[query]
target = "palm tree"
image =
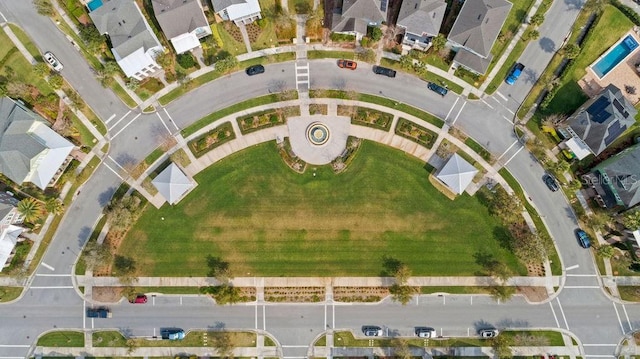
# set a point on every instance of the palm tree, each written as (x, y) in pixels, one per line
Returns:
(54, 206)
(30, 208)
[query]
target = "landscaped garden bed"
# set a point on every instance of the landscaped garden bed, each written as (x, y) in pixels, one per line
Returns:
(294, 294)
(415, 132)
(367, 117)
(342, 162)
(212, 139)
(290, 158)
(360, 294)
(267, 118)
(318, 109)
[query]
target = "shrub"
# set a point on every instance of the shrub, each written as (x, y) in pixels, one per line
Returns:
(216, 36)
(375, 33)
(186, 60)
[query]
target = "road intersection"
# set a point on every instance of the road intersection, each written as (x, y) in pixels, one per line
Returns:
(581, 307)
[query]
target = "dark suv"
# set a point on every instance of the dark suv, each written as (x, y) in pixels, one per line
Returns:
(550, 182)
(254, 70)
(384, 71)
(437, 88)
(583, 238)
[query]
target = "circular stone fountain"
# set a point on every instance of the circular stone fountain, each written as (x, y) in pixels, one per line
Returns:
(318, 133)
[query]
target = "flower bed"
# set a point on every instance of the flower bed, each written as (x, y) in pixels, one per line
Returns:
(416, 133)
(342, 162)
(359, 294)
(366, 117)
(294, 294)
(293, 161)
(318, 109)
(212, 139)
(268, 118)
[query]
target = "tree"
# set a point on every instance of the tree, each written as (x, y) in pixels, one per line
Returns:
(502, 293)
(595, 6)
(41, 69)
(226, 62)
(375, 33)
(31, 209)
(631, 219)
(124, 264)
(121, 213)
(224, 294)
(401, 293)
(599, 219)
(534, 35)
(44, 7)
(401, 348)
(219, 269)
(605, 251)
(571, 51)
(96, 255)
(504, 206)
(55, 80)
(500, 345)
(91, 37)
(402, 274)
(536, 20)
(54, 206)
(438, 42)
(224, 342)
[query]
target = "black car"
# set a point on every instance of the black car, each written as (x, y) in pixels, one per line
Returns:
(254, 70)
(384, 71)
(437, 88)
(550, 182)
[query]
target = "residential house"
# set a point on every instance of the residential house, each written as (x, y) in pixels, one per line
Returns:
(133, 43)
(421, 21)
(475, 31)
(30, 151)
(616, 180)
(182, 21)
(353, 16)
(238, 11)
(597, 123)
(9, 232)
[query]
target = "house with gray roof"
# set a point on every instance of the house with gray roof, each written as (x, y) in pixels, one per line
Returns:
(353, 16)
(617, 179)
(133, 43)
(598, 122)
(475, 31)
(30, 151)
(421, 21)
(238, 11)
(182, 21)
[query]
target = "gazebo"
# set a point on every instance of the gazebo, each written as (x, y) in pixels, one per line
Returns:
(457, 174)
(172, 183)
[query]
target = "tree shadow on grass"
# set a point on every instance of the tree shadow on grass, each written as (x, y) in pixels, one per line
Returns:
(390, 266)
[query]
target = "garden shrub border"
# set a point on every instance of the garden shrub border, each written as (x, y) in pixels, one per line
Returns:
(432, 135)
(217, 130)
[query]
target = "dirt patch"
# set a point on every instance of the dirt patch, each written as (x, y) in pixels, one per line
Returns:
(535, 270)
(253, 30)
(359, 294)
(107, 294)
(533, 294)
(294, 294)
(234, 31)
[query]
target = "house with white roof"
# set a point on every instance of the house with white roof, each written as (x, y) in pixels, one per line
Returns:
(30, 151)
(238, 11)
(457, 174)
(172, 183)
(133, 43)
(182, 21)
(9, 231)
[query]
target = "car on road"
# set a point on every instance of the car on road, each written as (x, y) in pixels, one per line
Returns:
(488, 333)
(100, 312)
(372, 331)
(425, 332)
(53, 61)
(583, 238)
(515, 72)
(254, 70)
(440, 90)
(172, 333)
(347, 64)
(139, 299)
(384, 71)
(551, 182)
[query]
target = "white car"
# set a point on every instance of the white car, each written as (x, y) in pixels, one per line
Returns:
(53, 61)
(488, 333)
(426, 332)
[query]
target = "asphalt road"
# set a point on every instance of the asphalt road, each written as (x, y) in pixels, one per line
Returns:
(50, 303)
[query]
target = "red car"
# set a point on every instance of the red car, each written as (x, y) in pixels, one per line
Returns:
(347, 64)
(140, 299)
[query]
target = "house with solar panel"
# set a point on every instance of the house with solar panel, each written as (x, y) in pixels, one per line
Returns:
(597, 123)
(354, 16)
(421, 21)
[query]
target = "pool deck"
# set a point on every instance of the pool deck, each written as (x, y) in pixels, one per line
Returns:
(624, 74)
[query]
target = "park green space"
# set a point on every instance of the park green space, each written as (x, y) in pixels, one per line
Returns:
(252, 211)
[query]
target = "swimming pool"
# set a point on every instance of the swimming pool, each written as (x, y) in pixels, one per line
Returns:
(615, 56)
(94, 4)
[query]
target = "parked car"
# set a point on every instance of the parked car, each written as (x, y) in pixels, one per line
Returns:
(372, 331)
(551, 182)
(139, 299)
(515, 72)
(583, 238)
(347, 64)
(488, 333)
(53, 61)
(172, 333)
(384, 71)
(426, 332)
(98, 312)
(442, 91)
(254, 70)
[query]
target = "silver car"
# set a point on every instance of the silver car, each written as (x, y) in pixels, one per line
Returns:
(53, 61)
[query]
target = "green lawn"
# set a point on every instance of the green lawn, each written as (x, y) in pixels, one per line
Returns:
(26, 41)
(320, 54)
(22, 68)
(109, 338)
(609, 29)
(8, 294)
(251, 210)
(230, 44)
(267, 37)
(62, 339)
(124, 96)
